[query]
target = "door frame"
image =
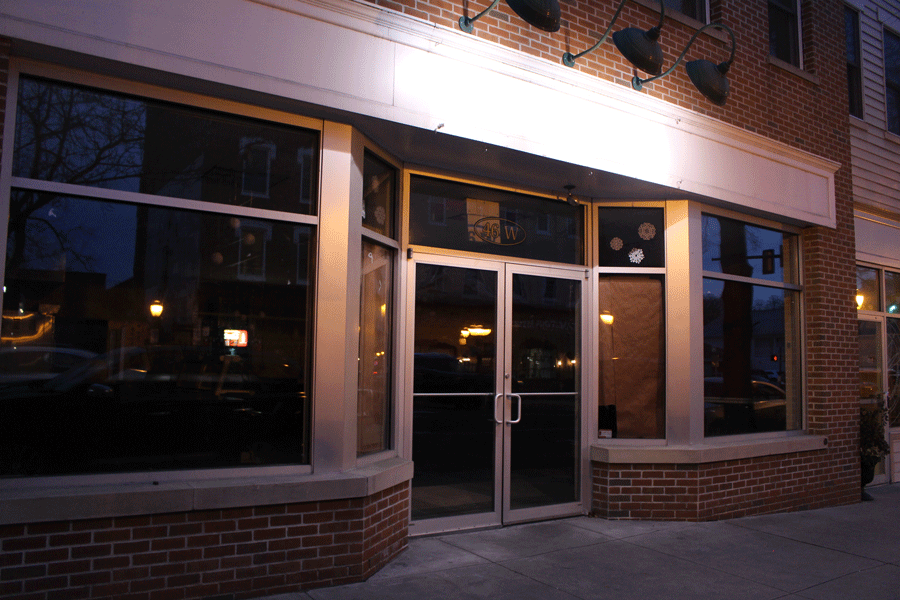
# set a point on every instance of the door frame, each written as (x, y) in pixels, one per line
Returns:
(505, 269)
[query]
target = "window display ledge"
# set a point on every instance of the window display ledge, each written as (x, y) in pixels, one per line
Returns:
(707, 452)
(24, 503)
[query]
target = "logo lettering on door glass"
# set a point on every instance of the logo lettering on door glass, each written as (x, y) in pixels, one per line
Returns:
(501, 232)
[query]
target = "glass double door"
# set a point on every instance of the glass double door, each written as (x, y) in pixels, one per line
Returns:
(496, 393)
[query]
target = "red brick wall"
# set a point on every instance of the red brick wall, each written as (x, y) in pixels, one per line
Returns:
(723, 490)
(234, 553)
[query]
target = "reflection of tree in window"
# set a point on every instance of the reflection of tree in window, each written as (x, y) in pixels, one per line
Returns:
(72, 135)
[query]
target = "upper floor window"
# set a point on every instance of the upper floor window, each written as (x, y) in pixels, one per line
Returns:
(892, 80)
(854, 61)
(696, 9)
(784, 30)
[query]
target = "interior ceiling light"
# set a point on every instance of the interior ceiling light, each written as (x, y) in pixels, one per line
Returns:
(708, 77)
(543, 14)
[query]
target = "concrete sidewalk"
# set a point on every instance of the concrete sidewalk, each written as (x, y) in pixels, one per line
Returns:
(844, 553)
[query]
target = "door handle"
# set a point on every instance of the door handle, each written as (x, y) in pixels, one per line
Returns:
(519, 416)
(500, 420)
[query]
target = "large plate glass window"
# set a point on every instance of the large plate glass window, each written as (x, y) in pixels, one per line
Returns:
(751, 315)
(165, 338)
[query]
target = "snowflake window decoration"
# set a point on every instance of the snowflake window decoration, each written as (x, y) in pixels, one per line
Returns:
(636, 256)
(616, 243)
(380, 215)
(647, 231)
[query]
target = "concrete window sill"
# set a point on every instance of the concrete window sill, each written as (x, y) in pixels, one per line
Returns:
(22, 502)
(708, 452)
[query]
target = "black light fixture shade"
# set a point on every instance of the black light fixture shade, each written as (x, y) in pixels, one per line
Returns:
(543, 14)
(709, 79)
(640, 48)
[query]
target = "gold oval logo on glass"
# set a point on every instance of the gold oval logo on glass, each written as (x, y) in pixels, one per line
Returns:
(500, 232)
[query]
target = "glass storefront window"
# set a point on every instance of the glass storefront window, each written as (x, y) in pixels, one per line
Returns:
(186, 337)
(750, 358)
(751, 324)
(871, 375)
(879, 343)
(460, 216)
(72, 134)
(375, 349)
(893, 364)
(631, 237)
(868, 289)
(632, 357)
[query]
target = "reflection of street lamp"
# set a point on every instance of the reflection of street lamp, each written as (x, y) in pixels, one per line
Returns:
(156, 308)
(478, 330)
(607, 319)
(859, 301)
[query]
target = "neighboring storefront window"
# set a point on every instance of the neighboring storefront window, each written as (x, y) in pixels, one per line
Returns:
(879, 337)
(751, 313)
(173, 338)
(376, 309)
(460, 216)
(868, 288)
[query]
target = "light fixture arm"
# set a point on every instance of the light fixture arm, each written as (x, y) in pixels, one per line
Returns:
(637, 82)
(569, 59)
(466, 24)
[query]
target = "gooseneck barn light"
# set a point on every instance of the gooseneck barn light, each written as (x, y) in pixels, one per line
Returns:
(638, 46)
(706, 76)
(543, 14)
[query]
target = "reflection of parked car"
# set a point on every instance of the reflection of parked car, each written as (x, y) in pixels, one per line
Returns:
(23, 364)
(763, 410)
(156, 408)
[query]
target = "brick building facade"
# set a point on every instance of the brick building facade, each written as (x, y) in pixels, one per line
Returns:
(388, 102)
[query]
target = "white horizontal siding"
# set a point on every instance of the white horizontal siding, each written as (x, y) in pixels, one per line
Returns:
(875, 155)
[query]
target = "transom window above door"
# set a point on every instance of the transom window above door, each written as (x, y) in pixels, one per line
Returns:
(461, 216)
